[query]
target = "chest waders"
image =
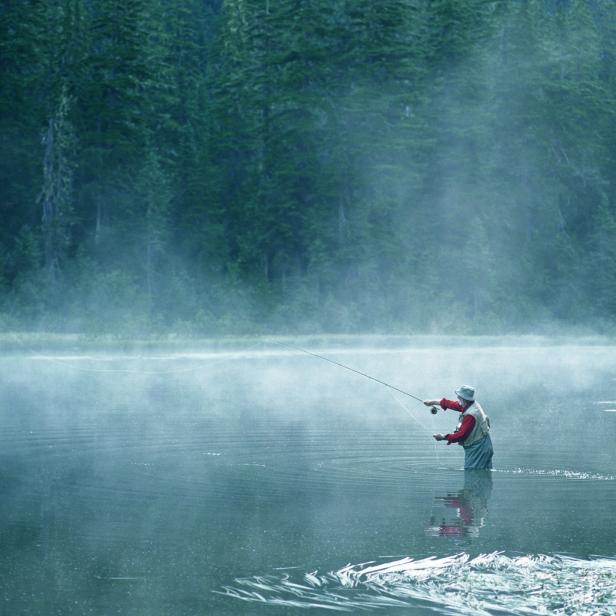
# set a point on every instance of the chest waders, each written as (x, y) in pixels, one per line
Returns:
(478, 444)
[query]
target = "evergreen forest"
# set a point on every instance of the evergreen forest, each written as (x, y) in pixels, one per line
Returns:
(292, 166)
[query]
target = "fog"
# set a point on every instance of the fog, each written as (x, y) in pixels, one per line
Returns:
(198, 197)
(403, 168)
(156, 479)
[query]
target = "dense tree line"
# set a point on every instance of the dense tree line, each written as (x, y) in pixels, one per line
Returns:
(300, 165)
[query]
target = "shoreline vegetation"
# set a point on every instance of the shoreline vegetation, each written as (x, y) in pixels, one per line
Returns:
(38, 341)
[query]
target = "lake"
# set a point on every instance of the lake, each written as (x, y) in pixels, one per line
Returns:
(253, 478)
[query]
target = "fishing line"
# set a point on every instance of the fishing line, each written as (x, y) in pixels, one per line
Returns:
(408, 410)
(406, 393)
(420, 424)
(331, 361)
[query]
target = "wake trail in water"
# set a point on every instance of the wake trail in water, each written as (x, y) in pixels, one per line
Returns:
(562, 473)
(457, 584)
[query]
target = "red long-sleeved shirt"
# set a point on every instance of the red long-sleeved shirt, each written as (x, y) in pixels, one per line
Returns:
(468, 422)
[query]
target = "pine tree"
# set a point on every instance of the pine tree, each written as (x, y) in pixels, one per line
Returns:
(57, 193)
(23, 113)
(155, 198)
(114, 132)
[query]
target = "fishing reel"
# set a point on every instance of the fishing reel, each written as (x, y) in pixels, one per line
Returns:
(433, 410)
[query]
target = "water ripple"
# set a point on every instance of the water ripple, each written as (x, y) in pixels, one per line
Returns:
(457, 584)
(564, 473)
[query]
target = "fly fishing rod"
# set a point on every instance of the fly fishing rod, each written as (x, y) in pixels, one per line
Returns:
(433, 409)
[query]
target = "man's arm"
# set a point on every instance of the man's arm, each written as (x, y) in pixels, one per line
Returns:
(468, 423)
(450, 404)
(445, 404)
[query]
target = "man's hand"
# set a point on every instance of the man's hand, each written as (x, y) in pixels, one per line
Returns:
(431, 402)
(439, 437)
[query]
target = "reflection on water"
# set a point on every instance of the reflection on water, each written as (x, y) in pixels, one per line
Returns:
(464, 512)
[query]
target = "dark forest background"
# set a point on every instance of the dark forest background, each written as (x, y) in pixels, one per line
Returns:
(208, 166)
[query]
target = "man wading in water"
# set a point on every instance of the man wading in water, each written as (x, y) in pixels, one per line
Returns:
(472, 431)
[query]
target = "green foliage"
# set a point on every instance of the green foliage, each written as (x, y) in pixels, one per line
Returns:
(235, 166)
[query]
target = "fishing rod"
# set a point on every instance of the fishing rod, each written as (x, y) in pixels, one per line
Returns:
(433, 409)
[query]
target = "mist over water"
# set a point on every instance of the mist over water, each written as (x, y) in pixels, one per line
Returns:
(255, 479)
(232, 168)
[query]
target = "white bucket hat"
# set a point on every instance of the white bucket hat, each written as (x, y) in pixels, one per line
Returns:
(466, 392)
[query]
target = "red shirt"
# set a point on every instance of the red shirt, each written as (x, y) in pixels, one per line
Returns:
(468, 422)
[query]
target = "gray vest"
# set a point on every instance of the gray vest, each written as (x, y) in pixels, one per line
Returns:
(481, 427)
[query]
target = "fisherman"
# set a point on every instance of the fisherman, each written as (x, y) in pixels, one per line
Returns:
(472, 431)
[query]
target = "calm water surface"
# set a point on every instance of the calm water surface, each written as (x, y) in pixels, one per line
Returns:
(264, 481)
